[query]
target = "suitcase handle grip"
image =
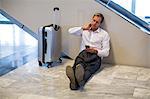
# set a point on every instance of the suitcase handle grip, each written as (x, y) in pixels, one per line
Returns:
(56, 8)
(56, 27)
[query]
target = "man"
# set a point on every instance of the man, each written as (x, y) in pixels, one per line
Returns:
(94, 46)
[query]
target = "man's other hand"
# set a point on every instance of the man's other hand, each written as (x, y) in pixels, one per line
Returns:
(91, 50)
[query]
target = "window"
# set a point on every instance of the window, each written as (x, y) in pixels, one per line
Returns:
(2, 18)
(135, 10)
(127, 4)
(138, 7)
(142, 9)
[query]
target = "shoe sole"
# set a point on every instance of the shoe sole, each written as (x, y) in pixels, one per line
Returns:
(79, 73)
(70, 75)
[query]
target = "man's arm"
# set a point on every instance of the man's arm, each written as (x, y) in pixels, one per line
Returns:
(76, 31)
(104, 51)
(79, 30)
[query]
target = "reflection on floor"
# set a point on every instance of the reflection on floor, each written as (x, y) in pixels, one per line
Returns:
(113, 82)
(11, 59)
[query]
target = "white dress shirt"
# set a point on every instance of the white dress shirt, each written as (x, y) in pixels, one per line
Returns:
(98, 39)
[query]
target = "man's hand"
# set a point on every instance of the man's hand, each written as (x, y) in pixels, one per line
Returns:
(92, 50)
(86, 27)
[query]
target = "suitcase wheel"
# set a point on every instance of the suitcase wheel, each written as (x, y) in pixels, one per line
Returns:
(40, 63)
(49, 64)
(60, 60)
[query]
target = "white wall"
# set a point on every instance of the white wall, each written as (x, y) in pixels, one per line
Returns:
(0, 4)
(129, 45)
(32, 13)
(148, 52)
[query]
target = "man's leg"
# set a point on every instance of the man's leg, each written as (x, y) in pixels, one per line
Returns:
(78, 69)
(70, 72)
(85, 65)
(91, 65)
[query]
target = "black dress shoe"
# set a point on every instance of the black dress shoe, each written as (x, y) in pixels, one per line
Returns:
(79, 74)
(71, 76)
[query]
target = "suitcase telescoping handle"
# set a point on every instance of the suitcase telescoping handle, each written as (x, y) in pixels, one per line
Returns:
(56, 18)
(56, 27)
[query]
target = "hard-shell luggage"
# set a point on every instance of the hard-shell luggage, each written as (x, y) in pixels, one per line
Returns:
(49, 45)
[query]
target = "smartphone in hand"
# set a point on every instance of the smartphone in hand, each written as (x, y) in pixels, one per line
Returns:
(90, 26)
(87, 46)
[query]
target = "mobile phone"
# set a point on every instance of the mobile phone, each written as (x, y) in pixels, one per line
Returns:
(87, 46)
(90, 26)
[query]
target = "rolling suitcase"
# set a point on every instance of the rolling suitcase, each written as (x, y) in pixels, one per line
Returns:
(49, 45)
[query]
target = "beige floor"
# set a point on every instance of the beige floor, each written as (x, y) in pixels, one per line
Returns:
(113, 82)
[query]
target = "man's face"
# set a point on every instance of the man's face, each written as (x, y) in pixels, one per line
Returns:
(96, 21)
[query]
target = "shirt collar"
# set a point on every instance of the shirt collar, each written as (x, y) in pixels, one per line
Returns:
(97, 31)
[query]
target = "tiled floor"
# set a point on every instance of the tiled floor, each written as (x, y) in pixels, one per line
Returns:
(112, 82)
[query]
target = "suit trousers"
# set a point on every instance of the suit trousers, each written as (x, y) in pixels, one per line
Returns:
(91, 62)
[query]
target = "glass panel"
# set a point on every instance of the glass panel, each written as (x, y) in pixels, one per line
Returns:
(127, 4)
(13, 38)
(2, 18)
(142, 9)
(16, 46)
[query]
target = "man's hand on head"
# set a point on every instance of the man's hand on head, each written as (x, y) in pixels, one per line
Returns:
(87, 26)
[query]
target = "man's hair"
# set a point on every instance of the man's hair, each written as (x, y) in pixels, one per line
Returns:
(99, 15)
